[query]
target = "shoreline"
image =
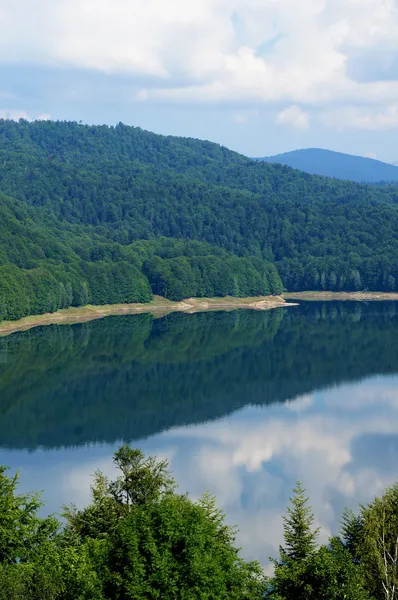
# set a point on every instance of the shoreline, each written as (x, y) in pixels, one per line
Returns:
(159, 307)
(327, 296)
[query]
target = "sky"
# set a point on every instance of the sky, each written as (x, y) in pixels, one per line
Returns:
(259, 76)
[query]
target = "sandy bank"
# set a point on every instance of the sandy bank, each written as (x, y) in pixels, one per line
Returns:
(158, 307)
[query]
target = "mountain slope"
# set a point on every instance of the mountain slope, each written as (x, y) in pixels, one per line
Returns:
(336, 164)
(112, 195)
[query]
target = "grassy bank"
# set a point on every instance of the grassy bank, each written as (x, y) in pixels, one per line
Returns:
(341, 296)
(159, 307)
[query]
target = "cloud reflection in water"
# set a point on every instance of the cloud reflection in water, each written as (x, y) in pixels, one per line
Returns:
(342, 443)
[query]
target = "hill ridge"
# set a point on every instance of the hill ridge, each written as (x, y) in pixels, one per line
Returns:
(330, 163)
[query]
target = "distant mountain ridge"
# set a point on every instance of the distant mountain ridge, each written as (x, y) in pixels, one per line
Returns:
(317, 161)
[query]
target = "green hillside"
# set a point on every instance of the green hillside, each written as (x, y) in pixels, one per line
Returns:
(46, 264)
(86, 212)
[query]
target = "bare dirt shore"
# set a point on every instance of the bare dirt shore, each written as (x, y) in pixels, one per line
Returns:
(158, 307)
(340, 296)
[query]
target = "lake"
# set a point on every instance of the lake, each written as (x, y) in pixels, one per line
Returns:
(242, 403)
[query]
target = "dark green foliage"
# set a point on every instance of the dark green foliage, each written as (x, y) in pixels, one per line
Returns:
(300, 539)
(84, 195)
(352, 533)
(291, 571)
(207, 276)
(114, 283)
(45, 266)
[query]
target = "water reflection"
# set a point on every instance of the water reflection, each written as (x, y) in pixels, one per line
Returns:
(334, 427)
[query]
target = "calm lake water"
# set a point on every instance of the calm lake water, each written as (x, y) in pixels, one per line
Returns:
(242, 403)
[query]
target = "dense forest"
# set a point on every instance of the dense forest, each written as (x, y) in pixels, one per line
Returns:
(141, 539)
(114, 214)
(46, 265)
(181, 369)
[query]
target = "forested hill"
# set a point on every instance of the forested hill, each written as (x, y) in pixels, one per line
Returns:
(337, 164)
(46, 264)
(111, 214)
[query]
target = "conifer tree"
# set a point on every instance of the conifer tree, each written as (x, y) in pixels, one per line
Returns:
(300, 537)
(292, 580)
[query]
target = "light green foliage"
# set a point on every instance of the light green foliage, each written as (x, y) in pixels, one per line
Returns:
(35, 564)
(372, 538)
(56, 572)
(21, 531)
(98, 518)
(141, 482)
(137, 539)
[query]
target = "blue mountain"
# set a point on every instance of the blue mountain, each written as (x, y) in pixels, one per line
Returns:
(336, 164)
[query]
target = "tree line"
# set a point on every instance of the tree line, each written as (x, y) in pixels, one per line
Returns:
(139, 538)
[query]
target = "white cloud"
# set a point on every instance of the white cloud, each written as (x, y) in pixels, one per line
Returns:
(251, 464)
(243, 52)
(294, 117)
